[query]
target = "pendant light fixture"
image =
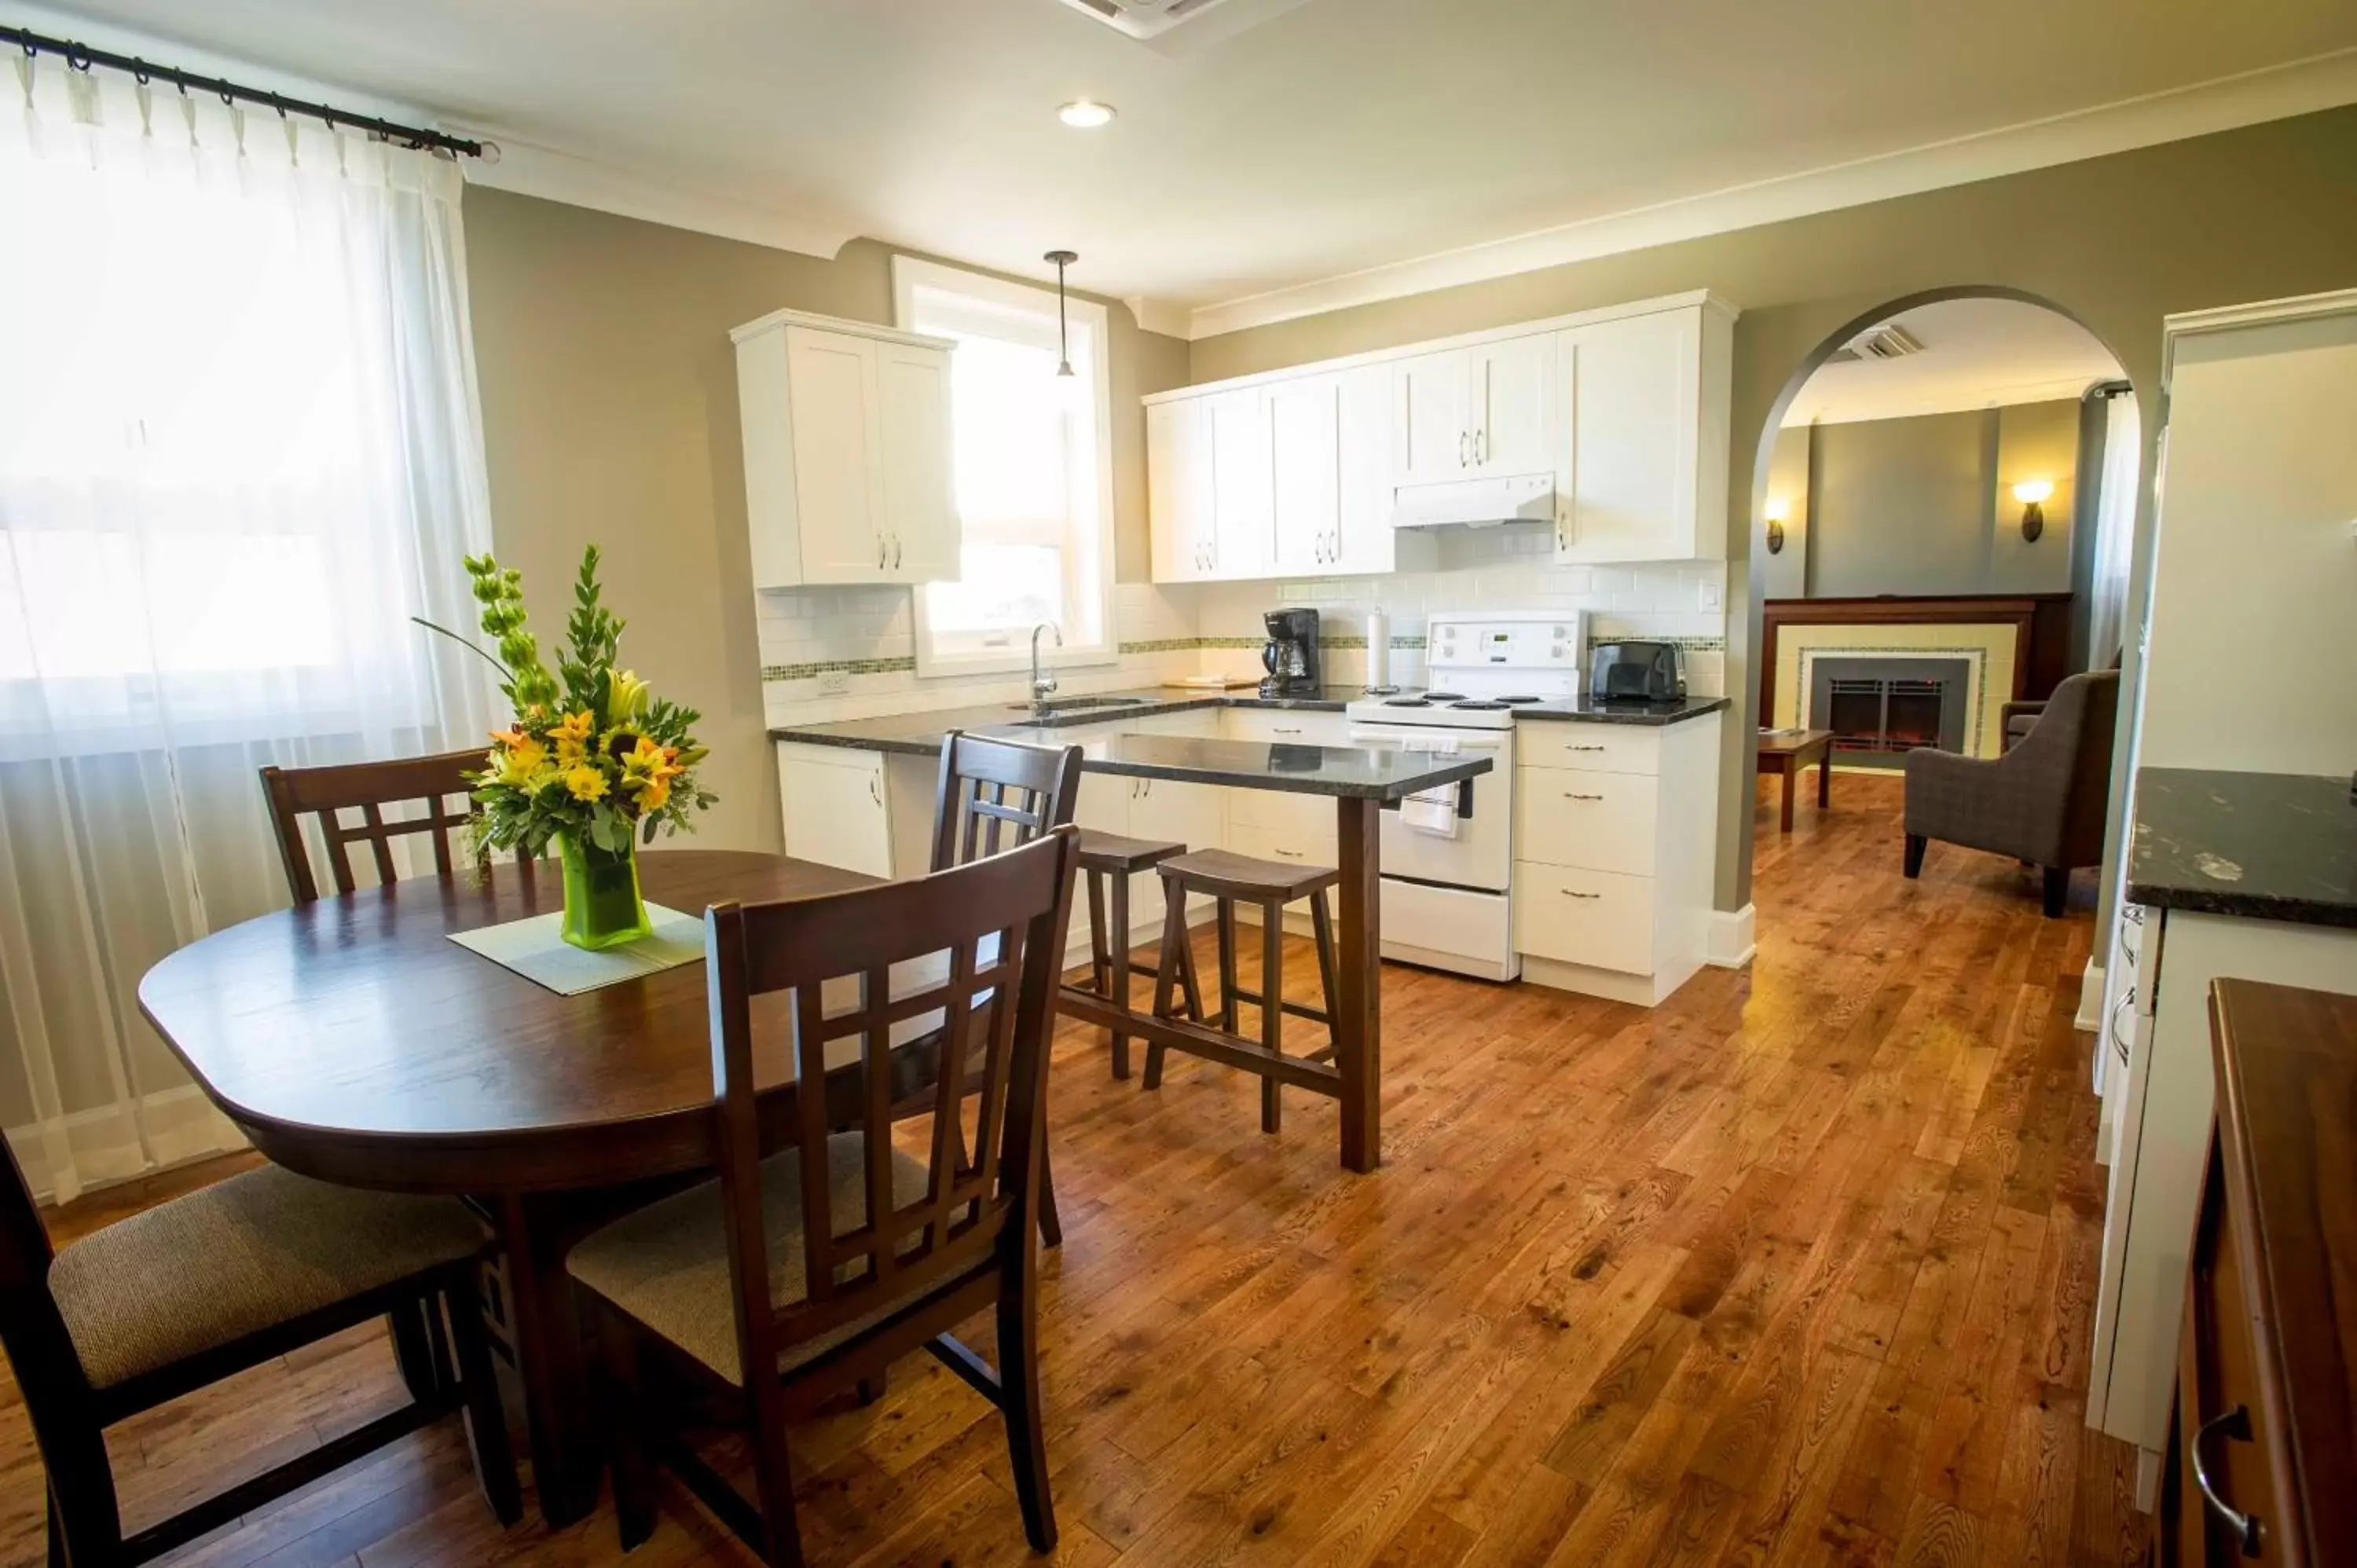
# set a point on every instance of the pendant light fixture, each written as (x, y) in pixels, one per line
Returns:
(1064, 342)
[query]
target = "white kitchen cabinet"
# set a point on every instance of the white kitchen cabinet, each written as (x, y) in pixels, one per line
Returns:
(1644, 430)
(1623, 411)
(846, 434)
(1243, 483)
(1305, 440)
(1614, 844)
(836, 807)
(1178, 490)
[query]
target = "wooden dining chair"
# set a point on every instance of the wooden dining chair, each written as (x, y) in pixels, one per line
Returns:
(327, 794)
(792, 1279)
(368, 787)
(995, 795)
(230, 1276)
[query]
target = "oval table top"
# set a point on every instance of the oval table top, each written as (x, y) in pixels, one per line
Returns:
(352, 1041)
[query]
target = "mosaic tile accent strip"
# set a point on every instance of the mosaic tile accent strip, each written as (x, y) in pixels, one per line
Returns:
(1409, 643)
(901, 663)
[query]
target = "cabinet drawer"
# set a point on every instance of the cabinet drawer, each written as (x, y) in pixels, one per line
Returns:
(1597, 821)
(1306, 818)
(1282, 844)
(1595, 917)
(1282, 726)
(1599, 748)
(2217, 1374)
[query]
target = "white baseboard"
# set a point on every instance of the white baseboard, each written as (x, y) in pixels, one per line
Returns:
(1733, 938)
(67, 1155)
(1638, 990)
(2090, 1016)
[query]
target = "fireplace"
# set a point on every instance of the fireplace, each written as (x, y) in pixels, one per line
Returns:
(1879, 709)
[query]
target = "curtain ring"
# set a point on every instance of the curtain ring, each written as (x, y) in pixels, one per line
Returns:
(80, 62)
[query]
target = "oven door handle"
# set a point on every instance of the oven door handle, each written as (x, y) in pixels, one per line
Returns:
(1466, 740)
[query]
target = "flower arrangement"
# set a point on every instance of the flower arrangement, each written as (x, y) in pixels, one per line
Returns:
(593, 760)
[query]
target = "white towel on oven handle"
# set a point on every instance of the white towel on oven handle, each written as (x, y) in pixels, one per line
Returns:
(1431, 812)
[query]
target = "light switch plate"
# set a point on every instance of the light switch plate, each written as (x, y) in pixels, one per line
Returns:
(833, 683)
(1711, 595)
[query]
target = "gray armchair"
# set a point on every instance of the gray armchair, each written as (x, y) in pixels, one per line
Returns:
(2041, 802)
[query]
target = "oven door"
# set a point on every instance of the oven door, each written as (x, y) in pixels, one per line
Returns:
(1482, 852)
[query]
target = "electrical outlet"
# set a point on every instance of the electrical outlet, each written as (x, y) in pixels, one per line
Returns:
(1712, 594)
(833, 683)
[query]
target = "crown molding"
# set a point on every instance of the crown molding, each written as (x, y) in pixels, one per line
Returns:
(2273, 92)
(529, 169)
(1164, 315)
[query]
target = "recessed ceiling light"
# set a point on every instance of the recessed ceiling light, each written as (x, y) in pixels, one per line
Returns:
(1085, 113)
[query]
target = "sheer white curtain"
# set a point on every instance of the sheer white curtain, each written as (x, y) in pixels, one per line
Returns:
(238, 447)
(2116, 508)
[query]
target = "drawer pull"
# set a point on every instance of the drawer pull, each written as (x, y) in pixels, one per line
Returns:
(1583, 749)
(1290, 853)
(1569, 796)
(1570, 894)
(2234, 1426)
(1280, 729)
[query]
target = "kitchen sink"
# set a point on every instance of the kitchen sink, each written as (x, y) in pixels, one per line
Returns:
(1083, 704)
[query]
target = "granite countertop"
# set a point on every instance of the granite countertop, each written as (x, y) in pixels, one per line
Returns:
(921, 732)
(1387, 773)
(2272, 846)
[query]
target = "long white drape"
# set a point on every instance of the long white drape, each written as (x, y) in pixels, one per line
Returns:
(2115, 509)
(238, 447)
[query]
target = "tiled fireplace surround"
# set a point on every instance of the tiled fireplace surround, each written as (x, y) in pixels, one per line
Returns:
(1184, 629)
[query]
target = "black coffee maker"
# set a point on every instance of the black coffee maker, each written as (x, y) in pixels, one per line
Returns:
(1290, 655)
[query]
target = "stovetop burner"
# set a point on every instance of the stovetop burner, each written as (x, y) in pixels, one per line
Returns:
(1406, 703)
(1444, 697)
(1477, 705)
(1519, 699)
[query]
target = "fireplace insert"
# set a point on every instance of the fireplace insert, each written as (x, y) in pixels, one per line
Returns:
(1879, 709)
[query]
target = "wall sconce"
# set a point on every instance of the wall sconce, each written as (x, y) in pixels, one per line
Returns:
(1778, 509)
(2032, 494)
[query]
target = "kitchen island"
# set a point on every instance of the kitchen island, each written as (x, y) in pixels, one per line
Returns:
(1360, 782)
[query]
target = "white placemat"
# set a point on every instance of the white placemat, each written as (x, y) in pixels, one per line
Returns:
(536, 949)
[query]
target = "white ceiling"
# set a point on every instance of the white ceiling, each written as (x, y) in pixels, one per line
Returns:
(1977, 353)
(1333, 137)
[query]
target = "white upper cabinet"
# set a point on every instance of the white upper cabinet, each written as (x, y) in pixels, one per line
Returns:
(1622, 412)
(1178, 490)
(1645, 477)
(1244, 484)
(846, 430)
(1306, 437)
(1509, 395)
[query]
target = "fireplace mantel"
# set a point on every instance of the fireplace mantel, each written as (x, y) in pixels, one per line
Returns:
(2042, 624)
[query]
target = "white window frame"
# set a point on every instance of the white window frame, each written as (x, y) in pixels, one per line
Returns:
(910, 273)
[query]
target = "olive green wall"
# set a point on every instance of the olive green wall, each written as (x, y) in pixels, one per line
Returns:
(2118, 242)
(609, 414)
(1923, 505)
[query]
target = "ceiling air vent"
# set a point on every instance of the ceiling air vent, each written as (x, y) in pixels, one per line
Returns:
(1882, 343)
(1144, 19)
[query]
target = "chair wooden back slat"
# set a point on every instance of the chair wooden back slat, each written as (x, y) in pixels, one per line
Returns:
(995, 795)
(1003, 1008)
(326, 793)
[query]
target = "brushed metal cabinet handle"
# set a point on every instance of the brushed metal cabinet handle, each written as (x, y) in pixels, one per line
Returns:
(1572, 893)
(2235, 1426)
(1464, 439)
(1569, 796)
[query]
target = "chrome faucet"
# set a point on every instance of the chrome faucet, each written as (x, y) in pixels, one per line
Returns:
(1043, 686)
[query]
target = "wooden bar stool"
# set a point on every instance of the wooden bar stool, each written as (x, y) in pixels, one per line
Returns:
(1110, 855)
(1231, 879)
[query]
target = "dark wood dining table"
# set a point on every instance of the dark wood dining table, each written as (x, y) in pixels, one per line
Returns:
(350, 1041)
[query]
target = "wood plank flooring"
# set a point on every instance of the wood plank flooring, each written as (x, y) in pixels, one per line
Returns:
(1797, 1269)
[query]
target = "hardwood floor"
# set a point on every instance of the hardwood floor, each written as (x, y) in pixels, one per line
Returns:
(1797, 1269)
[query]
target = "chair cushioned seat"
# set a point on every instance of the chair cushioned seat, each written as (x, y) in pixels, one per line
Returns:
(667, 1264)
(264, 1248)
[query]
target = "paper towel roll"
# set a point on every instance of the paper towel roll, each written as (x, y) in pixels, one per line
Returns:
(1379, 650)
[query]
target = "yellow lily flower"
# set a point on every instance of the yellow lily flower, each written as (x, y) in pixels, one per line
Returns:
(627, 695)
(524, 764)
(573, 734)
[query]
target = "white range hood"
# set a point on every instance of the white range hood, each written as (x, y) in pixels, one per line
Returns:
(1480, 503)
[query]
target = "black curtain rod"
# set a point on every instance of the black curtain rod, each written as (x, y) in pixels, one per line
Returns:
(82, 57)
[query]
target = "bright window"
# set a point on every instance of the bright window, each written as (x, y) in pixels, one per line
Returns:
(1031, 467)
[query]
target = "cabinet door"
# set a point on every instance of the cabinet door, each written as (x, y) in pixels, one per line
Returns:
(1179, 491)
(1193, 814)
(1510, 391)
(917, 509)
(1243, 513)
(1305, 440)
(1365, 539)
(833, 381)
(1634, 408)
(834, 800)
(1430, 415)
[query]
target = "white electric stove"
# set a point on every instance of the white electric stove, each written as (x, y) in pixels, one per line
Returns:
(1448, 861)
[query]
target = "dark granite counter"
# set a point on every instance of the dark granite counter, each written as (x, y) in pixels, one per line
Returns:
(2272, 846)
(921, 732)
(1372, 773)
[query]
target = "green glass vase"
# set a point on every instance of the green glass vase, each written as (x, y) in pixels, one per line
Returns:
(602, 907)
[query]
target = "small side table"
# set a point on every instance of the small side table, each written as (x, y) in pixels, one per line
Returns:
(1790, 751)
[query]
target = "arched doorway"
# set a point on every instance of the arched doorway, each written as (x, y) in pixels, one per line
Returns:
(1949, 445)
